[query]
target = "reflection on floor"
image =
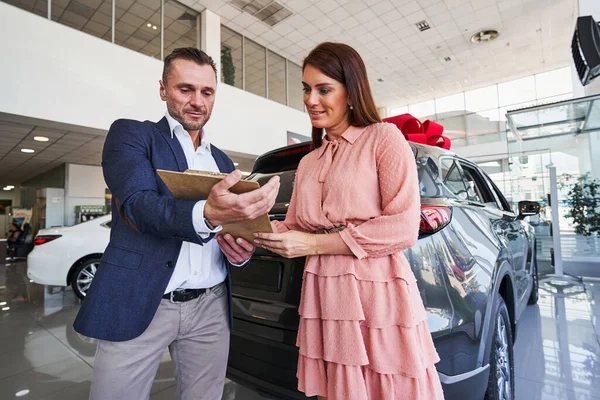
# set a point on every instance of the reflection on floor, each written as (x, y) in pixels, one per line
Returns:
(557, 353)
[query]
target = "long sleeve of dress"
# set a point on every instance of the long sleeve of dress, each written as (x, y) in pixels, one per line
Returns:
(398, 227)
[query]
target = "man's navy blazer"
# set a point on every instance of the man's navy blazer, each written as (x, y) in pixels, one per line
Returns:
(148, 228)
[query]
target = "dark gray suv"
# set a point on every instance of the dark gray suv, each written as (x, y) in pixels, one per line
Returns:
(474, 263)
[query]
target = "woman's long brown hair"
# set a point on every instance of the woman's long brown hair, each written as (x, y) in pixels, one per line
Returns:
(342, 63)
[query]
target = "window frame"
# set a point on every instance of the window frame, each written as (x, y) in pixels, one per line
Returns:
(481, 186)
(455, 164)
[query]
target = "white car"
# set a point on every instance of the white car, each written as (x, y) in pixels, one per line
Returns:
(69, 255)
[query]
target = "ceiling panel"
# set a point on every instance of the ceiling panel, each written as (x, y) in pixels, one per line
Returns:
(63, 146)
(534, 37)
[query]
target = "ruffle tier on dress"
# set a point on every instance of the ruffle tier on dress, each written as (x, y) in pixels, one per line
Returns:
(364, 334)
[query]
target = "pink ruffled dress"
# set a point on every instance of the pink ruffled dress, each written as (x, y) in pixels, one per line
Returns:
(363, 328)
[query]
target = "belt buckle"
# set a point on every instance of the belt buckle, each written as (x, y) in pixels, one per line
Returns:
(171, 298)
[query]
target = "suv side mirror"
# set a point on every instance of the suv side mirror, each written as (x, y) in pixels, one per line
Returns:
(527, 208)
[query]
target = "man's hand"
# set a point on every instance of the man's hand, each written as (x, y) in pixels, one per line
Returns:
(236, 251)
(289, 244)
(223, 206)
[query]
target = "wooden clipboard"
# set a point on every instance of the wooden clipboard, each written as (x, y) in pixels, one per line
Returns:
(196, 185)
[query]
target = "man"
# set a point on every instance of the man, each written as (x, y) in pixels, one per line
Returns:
(163, 280)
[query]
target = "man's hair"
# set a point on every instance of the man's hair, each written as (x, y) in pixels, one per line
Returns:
(190, 54)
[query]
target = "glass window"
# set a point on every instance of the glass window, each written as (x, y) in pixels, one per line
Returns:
(93, 17)
(294, 84)
(517, 91)
(483, 122)
(454, 127)
(482, 99)
(424, 109)
(39, 7)
(451, 105)
(137, 26)
(429, 178)
(553, 83)
(255, 64)
(453, 178)
(477, 188)
(74, 13)
(276, 78)
(231, 57)
(504, 203)
(100, 23)
(398, 111)
(181, 27)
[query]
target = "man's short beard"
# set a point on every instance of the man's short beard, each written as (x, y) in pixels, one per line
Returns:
(188, 127)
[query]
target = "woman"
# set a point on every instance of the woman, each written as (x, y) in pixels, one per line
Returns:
(363, 332)
(13, 237)
(14, 232)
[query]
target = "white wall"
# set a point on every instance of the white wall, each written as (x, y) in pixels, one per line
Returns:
(57, 73)
(84, 186)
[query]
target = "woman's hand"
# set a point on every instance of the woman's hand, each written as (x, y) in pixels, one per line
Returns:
(289, 244)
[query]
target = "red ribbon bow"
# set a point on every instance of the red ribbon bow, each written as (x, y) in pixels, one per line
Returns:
(428, 132)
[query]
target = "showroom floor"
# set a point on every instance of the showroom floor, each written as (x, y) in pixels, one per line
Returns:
(557, 353)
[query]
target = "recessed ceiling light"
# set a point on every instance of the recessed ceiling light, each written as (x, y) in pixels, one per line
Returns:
(5, 308)
(10, 187)
(154, 27)
(484, 36)
(22, 393)
(28, 150)
(149, 25)
(5, 188)
(41, 138)
(3, 303)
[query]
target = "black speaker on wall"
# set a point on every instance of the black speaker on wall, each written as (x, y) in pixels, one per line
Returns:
(586, 49)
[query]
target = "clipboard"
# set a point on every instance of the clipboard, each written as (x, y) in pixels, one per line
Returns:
(196, 185)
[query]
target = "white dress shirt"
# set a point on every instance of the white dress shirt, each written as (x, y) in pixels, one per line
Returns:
(197, 266)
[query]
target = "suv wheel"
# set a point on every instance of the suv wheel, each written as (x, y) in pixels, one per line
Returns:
(501, 385)
(83, 275)
(533, 298)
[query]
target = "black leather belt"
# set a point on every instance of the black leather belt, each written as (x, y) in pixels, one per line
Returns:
(183, 295)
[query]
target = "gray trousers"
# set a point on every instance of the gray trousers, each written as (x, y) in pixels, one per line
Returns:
(197, 334)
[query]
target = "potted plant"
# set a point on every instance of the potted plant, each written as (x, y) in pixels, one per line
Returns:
(227, 66)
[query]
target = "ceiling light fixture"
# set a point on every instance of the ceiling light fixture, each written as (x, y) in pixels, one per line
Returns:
(485, 36)
(269, 12)
(10, 187)
(149, 25)
(41, 139)
(154, 27)
(22, 393)
(28, 150)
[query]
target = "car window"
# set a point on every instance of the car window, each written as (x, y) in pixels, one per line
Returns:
(503, 202)
(453, 178)
(477, 188)
(429, 178)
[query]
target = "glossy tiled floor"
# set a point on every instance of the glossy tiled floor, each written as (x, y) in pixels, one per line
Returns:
(557, 353)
